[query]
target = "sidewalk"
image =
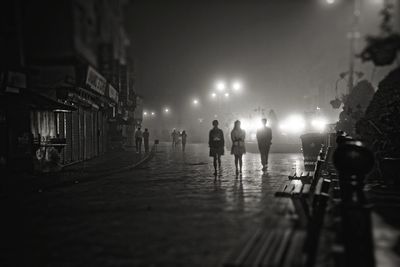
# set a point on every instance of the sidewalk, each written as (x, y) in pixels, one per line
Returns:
(103, 165)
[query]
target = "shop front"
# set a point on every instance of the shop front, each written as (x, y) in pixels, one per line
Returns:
(28, 129)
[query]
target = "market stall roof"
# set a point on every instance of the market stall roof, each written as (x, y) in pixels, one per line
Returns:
(35, 101)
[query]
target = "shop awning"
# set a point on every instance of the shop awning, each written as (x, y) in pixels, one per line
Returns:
(34, 101)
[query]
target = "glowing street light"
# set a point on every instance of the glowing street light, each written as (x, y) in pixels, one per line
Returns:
(145, 113)
(220, 86)
(236, 86)
(294, 124)
(153, 114)
(213, 95)
(166, 110)
(330, 2)
(319, 124)
(226, 95)
(195, 102)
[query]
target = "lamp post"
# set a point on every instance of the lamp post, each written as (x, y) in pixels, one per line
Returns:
(223, 91)
(353, 35)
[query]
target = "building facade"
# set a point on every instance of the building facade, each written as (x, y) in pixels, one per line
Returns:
(73, 53)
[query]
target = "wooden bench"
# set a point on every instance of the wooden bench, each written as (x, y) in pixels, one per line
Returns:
(294, 245)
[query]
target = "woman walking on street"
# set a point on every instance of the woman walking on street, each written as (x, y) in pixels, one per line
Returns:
(216, 142)
(238, 148)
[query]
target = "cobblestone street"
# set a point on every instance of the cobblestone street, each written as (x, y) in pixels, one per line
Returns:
(170, 212)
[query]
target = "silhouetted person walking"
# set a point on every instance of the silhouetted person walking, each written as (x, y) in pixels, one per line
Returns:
(175, 137)
(146, 136)
(216, 143)
(238, 148)
(184, 136)
(138, 140)
(264, 137)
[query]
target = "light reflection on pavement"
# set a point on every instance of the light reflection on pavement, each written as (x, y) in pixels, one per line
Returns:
(170, 212)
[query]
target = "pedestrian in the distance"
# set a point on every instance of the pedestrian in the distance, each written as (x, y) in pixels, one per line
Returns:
(138, 140)
(264, 137)
(174, 136)
(146, 136)
(238, 136)
(183, 136)
(216, 142)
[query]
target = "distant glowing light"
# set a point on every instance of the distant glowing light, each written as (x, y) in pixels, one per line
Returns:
(319, 124)
(145, 113)
(251, 125)
(166, 110)
(195, 101)
(237, 86)
(226, 94)
(330, 2)
(220, 86)
(153, 114)
(294, 124)
(213, 95)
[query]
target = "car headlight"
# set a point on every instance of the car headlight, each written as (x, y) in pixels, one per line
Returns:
(319, 124)
(293, 124)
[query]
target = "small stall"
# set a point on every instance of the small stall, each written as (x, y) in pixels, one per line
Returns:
(47, 144)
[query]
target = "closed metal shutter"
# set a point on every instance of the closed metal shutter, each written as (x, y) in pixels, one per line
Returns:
(82, 136)
(68, 136)
(61, 132)
(75, 136)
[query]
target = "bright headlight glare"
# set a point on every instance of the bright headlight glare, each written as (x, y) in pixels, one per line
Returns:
(319, 124)
(251, 125)
(293, 124)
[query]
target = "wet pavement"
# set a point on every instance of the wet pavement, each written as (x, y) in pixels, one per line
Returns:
(172, 211)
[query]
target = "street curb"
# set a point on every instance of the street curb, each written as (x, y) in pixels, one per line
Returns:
(145, 159)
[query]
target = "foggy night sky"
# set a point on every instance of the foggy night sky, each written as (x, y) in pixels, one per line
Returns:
(282, 49)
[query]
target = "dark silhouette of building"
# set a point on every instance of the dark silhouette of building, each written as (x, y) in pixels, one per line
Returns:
(67, 79)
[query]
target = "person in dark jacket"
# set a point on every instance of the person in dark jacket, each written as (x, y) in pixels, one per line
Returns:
(216, 142)
(138, 140)
(264, 137)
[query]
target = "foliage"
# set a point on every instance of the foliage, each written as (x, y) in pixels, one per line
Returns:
(354, 106)
(382, 49)
(380, 126)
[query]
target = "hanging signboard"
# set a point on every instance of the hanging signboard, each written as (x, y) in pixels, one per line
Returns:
(96, 81)
(14, 81)
(112, 93)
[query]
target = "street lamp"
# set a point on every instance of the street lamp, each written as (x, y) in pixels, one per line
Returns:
(220, 86)
(195, 102)
(153, 114)
(145, 113)
(226, 95)
(236, 86)
(166, 110)
(213, 95)
(353, 35)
